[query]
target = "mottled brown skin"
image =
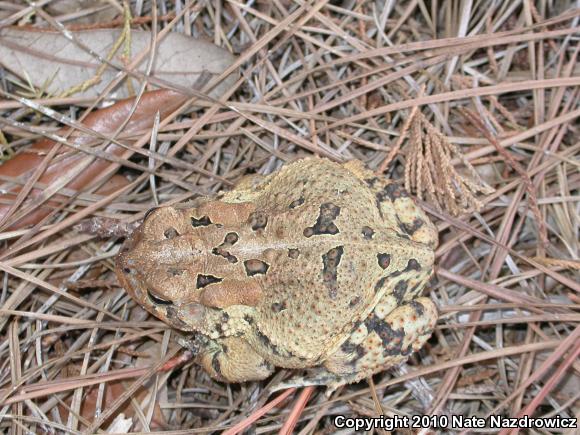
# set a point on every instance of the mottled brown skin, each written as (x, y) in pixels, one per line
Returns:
(318, 265)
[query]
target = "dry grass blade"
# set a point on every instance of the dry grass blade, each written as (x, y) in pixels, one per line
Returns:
(429, 170)
(518, 168)
(241, 426)
(294, 415)
(49, 389)
(472, 105)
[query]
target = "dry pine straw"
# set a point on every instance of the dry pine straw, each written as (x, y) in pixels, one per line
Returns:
(473, 105)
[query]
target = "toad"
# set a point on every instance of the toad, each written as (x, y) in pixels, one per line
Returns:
(317, 266)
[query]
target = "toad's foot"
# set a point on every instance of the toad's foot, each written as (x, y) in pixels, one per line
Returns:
(229, 359)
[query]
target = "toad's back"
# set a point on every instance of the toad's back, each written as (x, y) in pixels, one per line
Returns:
(334, 245)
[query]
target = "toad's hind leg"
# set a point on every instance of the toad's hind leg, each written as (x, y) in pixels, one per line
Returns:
(375, 345)
(231, 359)
(396, 207)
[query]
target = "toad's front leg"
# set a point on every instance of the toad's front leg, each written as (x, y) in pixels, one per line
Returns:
(231, 359)
(375, 345)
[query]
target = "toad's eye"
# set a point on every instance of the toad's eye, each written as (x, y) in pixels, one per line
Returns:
(157, 300)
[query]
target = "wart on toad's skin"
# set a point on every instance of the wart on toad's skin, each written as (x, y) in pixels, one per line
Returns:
(205, 280)
(256, 267)
(203, 221)
(258, 221)
(325, 221)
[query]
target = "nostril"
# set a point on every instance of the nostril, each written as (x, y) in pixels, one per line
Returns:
(157, 300)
